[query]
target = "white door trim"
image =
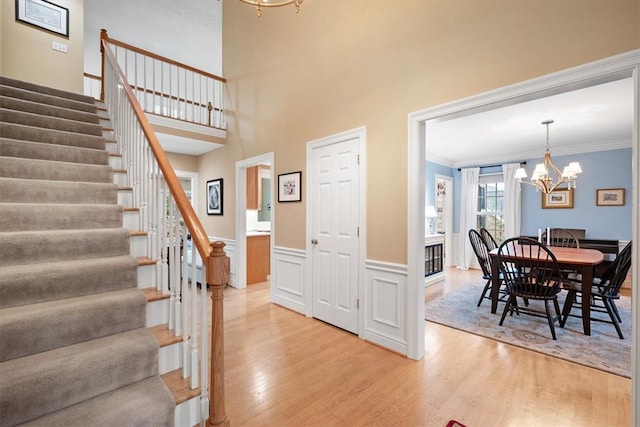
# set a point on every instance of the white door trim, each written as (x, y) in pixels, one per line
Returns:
(608, 69)
(241, 216)
(193, 176)
(359, 133)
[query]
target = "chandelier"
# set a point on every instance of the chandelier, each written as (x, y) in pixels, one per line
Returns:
(259, 4)
(541, 177)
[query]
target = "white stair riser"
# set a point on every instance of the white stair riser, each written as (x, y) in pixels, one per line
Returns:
(157, 312)
(146, 276)
(188, 412)
(125, 198)
(115, 161)
(138, 246)
(120, 179)
(111, 147)
(169, 358)
(131, 220)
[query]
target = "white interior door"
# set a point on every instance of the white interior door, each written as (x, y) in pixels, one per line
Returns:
(334, 196)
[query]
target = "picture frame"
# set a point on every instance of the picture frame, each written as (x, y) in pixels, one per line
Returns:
(44, 15)
(610, 197)
(290, 187)
(560, 198)
(215, 198)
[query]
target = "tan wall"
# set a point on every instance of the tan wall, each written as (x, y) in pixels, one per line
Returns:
(220, 163)
(338, 65)
(183, 162)
(26, 52)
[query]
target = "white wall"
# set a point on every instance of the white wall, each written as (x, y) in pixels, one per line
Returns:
(188, 31)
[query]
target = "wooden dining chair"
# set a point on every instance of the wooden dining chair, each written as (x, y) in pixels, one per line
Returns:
(488, 238)
(481, 250)
(604, 292)
(530, 271)
(561, 237)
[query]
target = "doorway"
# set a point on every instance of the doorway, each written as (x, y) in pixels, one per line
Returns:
(610, 69)
(254, 229)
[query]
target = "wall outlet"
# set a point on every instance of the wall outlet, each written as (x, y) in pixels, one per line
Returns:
(60, 47)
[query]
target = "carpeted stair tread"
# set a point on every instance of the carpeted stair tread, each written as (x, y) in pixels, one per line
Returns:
(48, 110)
(14, 190)
(14, 167)
(36, 283)
(54, 152)
(68, 375)
(50, 136)
(41, 98)
(8, 81)
(64, 322)
(39, 121)
(49, 216)
(144, 403)
(31, 247)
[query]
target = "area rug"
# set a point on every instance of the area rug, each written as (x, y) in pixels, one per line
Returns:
(602, 350)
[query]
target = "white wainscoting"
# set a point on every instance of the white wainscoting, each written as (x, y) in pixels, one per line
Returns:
(287, 279)
(230, 250)
(385, 305)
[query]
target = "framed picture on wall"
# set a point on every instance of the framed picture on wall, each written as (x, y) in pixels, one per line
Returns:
(290, 187)
(610, 197)
(214, 197)
(560, 198)
(44, 15)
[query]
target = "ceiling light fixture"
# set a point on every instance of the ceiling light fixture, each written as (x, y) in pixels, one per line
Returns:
(541, 178)
(259, 4)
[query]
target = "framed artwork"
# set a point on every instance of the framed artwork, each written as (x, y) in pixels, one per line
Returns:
(214, 197)
(560, 198)
(290, 187)
(43, 14)
(610, 197)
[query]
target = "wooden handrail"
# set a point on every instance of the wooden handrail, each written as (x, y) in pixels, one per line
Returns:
(105, 36)
(92, 76)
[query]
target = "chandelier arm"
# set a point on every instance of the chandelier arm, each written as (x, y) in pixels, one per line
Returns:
(263, 3)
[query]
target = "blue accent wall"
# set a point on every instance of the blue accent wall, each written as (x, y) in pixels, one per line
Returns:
(431, 170)
(602, 169)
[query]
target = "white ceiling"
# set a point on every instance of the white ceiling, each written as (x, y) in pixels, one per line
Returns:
(591, 119)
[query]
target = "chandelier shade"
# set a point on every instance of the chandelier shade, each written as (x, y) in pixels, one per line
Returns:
(541, 178)
(259, 4)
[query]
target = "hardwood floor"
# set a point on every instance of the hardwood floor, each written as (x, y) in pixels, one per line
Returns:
(283, 369)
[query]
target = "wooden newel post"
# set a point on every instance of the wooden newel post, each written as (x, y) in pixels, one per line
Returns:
(218, 270)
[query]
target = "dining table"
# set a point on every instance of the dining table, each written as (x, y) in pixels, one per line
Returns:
(581, 260)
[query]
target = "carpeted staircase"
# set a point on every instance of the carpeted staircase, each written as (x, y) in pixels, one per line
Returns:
(74, 349)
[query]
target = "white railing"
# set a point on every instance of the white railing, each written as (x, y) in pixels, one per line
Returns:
(172, 229)
(166, 87)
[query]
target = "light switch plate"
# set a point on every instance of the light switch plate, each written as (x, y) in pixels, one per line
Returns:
(60, 47)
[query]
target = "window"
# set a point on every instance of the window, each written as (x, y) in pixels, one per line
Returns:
(490, 213)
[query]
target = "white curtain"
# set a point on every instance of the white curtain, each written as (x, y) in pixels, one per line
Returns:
(468, 213)
(511, 200)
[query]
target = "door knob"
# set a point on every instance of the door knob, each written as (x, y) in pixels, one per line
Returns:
(314, 241)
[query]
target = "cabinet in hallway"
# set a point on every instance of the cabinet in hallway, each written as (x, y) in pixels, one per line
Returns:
(258, 258)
